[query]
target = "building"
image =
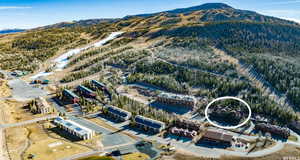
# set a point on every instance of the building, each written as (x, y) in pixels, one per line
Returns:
(86, 91)
(185, 128)
(187, 124)
(218, 137)
(149, 124)
(273, 129)
(98, 84)
(74, 128)
(183, 132)
(295, 126)
(177, 100)
(69, 95)
(101, 86)
(43, 106)
(118, 114)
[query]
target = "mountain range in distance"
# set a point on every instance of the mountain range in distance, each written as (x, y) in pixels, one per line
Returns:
(7, 31)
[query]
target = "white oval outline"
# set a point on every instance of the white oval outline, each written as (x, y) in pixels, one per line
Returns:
(223, 98)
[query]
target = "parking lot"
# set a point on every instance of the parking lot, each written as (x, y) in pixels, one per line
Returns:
(22, 91)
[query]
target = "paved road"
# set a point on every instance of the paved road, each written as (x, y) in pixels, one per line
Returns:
(27, 122)
(22, 91)
(105, 149)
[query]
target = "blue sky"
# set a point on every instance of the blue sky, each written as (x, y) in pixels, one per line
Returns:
(34, 13)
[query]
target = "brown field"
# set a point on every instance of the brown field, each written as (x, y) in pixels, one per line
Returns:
(4, 89)
(33, 140)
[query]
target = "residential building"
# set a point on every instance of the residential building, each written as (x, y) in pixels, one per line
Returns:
(69, 95)
(183, 132)
(86, 91)
(177, 100)
(273, 129)
(98, 84)
(118, 114)
(149, 124)
(43, 106)
(295, 126)
(74, 128)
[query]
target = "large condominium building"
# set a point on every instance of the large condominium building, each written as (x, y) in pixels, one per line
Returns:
(43, 106)
(149, 124)
(118, 114)
(74, 128)
(273, 129)
(177, 100)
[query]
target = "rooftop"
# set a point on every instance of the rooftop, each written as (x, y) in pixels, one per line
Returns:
(218, 136)
(177, 96)
(118, 111)
(81, 130)
(149, 122)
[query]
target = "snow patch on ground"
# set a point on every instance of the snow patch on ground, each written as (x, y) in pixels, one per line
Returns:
(62, 61)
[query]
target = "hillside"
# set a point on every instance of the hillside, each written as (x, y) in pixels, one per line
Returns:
(208, 51)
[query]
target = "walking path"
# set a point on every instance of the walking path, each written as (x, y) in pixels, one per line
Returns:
(3, 126)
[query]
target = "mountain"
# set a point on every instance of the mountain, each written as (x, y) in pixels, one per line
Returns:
(6, 31)
(215, 12)
(81, 23)
(207, 6)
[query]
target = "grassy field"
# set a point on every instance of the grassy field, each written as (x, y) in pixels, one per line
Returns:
(136, 156)
(32, 140)
(98, 158)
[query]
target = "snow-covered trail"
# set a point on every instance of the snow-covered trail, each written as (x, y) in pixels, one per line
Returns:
(63, 60)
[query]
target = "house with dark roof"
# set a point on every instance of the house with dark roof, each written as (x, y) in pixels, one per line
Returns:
(98, 84)
(118, 113)
(69, 95)
(149, 124)
(86, 91)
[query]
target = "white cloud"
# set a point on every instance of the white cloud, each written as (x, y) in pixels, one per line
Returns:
(14, 7)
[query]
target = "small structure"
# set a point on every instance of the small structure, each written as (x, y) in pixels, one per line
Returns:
(86, 91)
(74, 128)
(218, 137)
(69, 95)
(149, 124)
(118, 114)
(183, 132)
(40, 80)
(273, 129)
(43, 106)
(177, 100)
